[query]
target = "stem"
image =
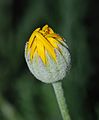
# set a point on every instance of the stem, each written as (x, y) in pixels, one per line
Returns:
(61, 100)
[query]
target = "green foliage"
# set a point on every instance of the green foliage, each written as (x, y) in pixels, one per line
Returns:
(22, 97)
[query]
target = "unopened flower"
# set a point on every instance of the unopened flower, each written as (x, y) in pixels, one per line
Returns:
(47, 55)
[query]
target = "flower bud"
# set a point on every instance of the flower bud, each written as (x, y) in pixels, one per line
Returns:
(47, 55)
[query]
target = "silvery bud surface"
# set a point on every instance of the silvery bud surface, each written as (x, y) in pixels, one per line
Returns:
(47, 55)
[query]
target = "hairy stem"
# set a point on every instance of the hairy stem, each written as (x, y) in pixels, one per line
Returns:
(61, 100)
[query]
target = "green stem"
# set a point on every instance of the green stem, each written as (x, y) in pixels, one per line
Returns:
(61, 100)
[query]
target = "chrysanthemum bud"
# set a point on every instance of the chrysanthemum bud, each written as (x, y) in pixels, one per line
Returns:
(47, 55)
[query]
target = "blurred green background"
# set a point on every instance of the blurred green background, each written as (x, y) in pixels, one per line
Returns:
(22, 97)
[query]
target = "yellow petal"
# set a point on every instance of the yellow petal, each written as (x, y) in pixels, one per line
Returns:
(40, 50)
(32, 38)
(53, 41)
(32, 50)
(47, 45)
(45, 27)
